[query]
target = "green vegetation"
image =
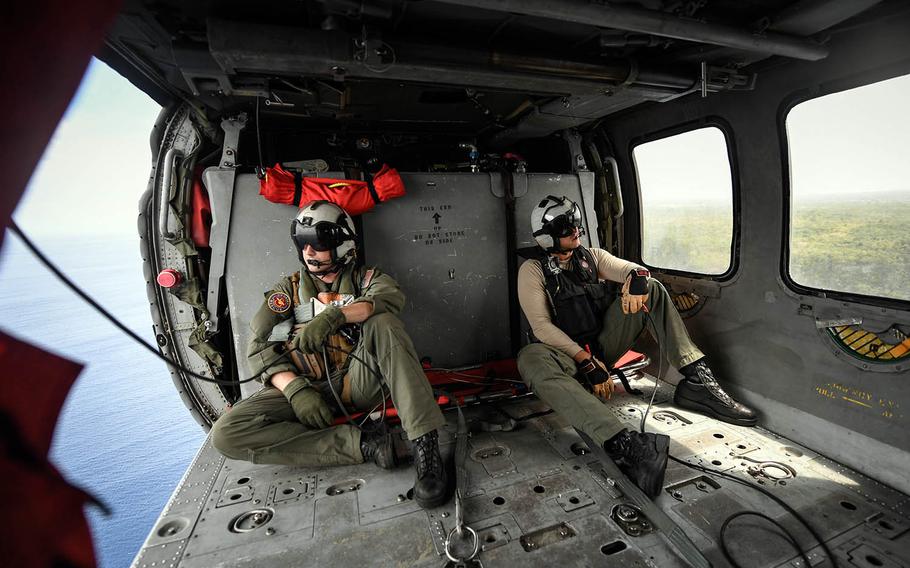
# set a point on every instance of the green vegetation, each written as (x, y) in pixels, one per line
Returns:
(689, 238)
(859, 244)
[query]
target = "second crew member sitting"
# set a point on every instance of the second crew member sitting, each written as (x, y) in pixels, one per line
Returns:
(578, 326)
(290, 421)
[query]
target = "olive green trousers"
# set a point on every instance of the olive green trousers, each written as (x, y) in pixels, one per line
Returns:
(264, 429)
(550, 373)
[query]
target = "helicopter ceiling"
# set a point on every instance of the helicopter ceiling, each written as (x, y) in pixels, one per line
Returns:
(507, 68)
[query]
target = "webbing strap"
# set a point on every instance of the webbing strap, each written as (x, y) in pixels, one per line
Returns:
(298, 187)
(625, 381)
(461, 474)
(372, 189)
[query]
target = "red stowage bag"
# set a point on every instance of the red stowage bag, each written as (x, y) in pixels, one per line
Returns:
(354, 196)
(201, 213)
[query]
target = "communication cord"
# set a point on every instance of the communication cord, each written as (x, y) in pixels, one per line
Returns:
(723, 530)
(76, 289)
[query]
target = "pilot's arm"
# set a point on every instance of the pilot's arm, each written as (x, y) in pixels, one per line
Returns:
(262, 354)
(380, 295)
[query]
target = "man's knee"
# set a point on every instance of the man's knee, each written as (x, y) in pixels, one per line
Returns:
(538, 361)
(225, 436)
(655, 287)
(381, 322)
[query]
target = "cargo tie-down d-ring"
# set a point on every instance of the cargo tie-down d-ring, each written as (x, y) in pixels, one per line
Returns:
(461, 533)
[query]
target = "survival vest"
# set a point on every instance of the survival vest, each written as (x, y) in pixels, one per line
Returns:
(578, 301)
(349, 285)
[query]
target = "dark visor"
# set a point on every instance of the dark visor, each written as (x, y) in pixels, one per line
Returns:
(322, 236)
(565, 224)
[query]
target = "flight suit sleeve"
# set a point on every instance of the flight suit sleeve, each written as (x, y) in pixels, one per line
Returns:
(262, 354)
(532, 296)
(383, 292)
(610, 267)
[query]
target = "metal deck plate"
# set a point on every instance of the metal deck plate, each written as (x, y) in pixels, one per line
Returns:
(536, 498)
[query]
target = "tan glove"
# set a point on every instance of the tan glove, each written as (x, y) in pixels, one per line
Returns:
(595, 373)
(635, 292)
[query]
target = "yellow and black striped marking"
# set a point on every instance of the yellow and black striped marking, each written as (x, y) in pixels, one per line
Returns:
(685, 302)
(869, 345)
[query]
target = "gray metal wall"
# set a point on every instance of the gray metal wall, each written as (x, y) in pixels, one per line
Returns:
(753, 331)
(444, 242)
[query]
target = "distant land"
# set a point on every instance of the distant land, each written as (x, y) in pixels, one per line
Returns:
(856, 243)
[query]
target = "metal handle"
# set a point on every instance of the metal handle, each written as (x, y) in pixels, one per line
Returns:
(170, 159)
(617, 205)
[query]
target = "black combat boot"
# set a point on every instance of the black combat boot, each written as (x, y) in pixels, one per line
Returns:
(377, 446)
(642, 457)
(699, 391)
(431, 486)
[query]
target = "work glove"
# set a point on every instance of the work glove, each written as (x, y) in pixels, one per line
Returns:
(635, 291)
(314, 333)
(595, 374)
(308, 405)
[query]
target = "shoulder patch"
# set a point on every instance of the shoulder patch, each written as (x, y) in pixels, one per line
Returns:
(279, 302)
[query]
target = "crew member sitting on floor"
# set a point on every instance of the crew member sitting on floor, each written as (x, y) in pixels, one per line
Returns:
(290, 420)
(578, 326)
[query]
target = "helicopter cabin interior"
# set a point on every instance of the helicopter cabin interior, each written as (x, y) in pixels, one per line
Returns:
(681, 129)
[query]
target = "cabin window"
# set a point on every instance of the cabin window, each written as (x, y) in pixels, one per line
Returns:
(850, 191)
(686, 189)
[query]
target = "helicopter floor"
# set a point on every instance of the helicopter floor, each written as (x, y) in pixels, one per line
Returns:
(535, 496)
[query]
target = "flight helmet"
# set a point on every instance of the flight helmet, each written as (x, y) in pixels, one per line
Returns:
(554, 218)
(326, 227)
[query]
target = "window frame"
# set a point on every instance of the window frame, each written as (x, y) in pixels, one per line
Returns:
(792, 100)
(735, 240)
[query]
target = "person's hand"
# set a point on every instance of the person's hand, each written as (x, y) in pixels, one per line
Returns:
(308, 405)
(595, 374)
(314, 333)
(635, 291)
(604, 390)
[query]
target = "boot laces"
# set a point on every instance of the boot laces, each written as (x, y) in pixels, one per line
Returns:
(428, 459)
(369, 446)
(710, 382)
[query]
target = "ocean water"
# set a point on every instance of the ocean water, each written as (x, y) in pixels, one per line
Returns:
(124, 434)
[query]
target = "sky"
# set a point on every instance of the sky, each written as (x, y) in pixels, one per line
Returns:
(123, 434)
(97, 164)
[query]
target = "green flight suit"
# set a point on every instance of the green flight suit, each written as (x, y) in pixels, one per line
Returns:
(550, 373)
(263, 427)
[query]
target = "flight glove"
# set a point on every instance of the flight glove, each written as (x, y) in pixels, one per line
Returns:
(595, 374)
(308, 405)
(314, 333)
(635, 291)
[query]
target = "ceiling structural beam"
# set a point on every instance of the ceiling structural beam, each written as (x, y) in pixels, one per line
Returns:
(654, 23)
(242, 47)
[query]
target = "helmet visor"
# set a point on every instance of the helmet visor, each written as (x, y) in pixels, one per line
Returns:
(322, 236)
(565, 224)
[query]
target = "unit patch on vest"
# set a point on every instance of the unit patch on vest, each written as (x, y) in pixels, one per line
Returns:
(279, 302)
